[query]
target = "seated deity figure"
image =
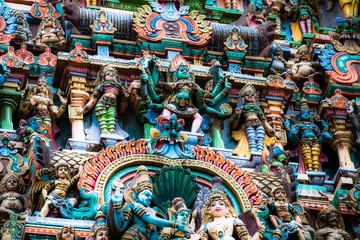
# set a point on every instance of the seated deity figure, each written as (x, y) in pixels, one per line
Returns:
(105, 99)
(135, 217)
(255, 120)
(220, 221)
(285, 213)
(11, 198)
(55, 190)
(303, 68)
(50, 33)
(330, 225)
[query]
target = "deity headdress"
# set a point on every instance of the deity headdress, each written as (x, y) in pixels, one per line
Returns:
(323, 218)
(178, 205)
(273, 191)
(142, 180)
(178, 61)
(304, 105)
(246, 88)
(100, 224)
(21, 183)
(102, 72)
(58, 235)
(217, 194)
(62, 163)
(42, 78)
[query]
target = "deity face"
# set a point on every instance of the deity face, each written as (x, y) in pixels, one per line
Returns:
(302, 53)
(305, 115)
(279, 194)
(68, 233)
(41, 86)
(249, 96)
(12, 184)
(183, 72)
(182, 217)
(102, 234)
(48, 22)
(63, 172)
(218, 208)
(144, 197)
(111, 76)
(333, 219)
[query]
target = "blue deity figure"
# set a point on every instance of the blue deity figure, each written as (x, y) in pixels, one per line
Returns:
(135, 216)
(309, 136)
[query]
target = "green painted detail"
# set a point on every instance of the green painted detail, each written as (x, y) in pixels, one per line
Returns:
(307, 38)
(326, 31)
(196, 5)
(339, 194)
(126, 48)
(86, 43)
(355, 90)
(282, 35)
(217, 140)
(214, 13)
(194, 52)
(256, 64)
(237, 56)
(129, 170)
(147, 127)
(102, 37)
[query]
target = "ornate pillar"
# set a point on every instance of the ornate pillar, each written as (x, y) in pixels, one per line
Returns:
(78, 98)
(7, 107)
(342, 141)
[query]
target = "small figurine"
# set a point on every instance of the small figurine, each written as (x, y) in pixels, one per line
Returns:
(353, 198)
(6, 235)
(23, 34)
(50, 33)
(255, 120)
(330, 225)
(67, 233)
(308, 135)
(134, 217)
(55, 190)
(303, 68)
(279, 65)
(220, 221)
(354, 114)
(12, 186)
(302, 11)
(105, 99)
(101, 230)
(39, 102)
(179, 213)
(285, 213)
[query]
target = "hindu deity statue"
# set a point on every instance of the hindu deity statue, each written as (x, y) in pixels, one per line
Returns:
(12, 200)
(178, 213)
(220, 221)
(330, 225)
(306, 133)
(255, 120)
(55, 190)
(279, 65)
(285, 213)
(39, 102)
(306, 16)
(50, 33)
(353, 198)
(23, 34)
(185, 96)
(303, 68)
(132, 212)
(67, 233)
(354, 114)
(101, 230)
(109, 99)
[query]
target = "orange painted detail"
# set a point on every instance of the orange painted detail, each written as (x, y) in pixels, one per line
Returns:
(25, 55)
(338, 100)
(11, 60)
(47, 58)
(340, 77)
(78, 54)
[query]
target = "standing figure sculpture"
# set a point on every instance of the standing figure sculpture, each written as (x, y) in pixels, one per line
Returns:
(220, 221)
(308, 135)
(12, 201)
(185, 96)
(330, 225)
(105, 99)
(39, 102)
(255, 120)
(286, 215)
(306, 15)
(55, 190)
(134, 217)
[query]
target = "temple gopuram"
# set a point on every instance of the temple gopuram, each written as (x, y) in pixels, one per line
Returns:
(179, 119)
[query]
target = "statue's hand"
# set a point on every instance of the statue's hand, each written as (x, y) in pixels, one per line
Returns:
(260, 224)
(294, 130)
(117, 199)
(237, 113)
(182, 228)
(62, 99)
(80, 110)
(145, 78)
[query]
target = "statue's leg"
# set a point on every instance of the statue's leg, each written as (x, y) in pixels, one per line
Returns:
(315, 152)
(111, 119)
(308, 25)
(46, 208)
(306, 152)
(72, 201)
(260, 136)
(196, 124)
(251, 136)
(302, 26)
